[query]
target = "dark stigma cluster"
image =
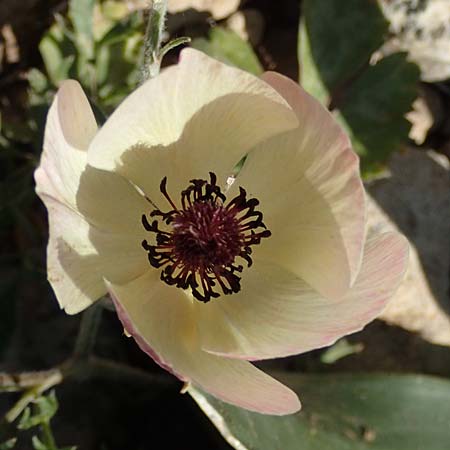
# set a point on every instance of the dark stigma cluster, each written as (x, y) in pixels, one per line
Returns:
(202, 240)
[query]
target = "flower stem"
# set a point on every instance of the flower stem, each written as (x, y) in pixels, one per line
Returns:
(87, 333)
(151, 57)
(47, 436)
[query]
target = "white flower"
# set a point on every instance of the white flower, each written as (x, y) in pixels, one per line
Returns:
(118, 224)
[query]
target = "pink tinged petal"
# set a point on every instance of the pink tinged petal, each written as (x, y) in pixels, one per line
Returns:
(311, 196)
(162, 320)
(69, 130)
(277, 314)
(195, 117)
(70, 256)
(94, 217)
(242, 384)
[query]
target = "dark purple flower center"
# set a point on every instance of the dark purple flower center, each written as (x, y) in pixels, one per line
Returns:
(202, 240)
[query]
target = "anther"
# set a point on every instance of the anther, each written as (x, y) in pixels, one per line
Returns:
(201, 241)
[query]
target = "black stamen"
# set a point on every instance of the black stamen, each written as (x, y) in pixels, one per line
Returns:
(202, 240)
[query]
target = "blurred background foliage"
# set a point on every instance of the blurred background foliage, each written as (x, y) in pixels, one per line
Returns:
(338, 52)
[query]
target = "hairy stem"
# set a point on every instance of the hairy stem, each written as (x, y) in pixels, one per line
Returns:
(151, 56)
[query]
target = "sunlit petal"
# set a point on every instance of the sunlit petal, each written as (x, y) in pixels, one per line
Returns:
(163, 322)
(277, 314)
(69, 130)
(311, 194)
(184, 126)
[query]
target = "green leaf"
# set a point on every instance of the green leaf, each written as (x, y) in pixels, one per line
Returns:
(336, 43)
(372, 109)
(81, 12)
(45, 407)
(9, 444)
(344, 412)
(38, 444)
(173, 44)
(116, 70)
(58, 53)
(119, 32)
(226, 46)
(310, 77)
(340, 38)
(38, 81)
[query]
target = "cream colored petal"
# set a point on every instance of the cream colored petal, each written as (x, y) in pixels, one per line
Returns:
(196, 117)
(69, 130)
(162, 320)
(276, 314)
(72, 263)
(94, 216)
(311, 196)
(102, 238)
(80, 255)
(114, 209)
(110, 202)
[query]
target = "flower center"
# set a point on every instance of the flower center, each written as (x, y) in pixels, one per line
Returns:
(201, 241)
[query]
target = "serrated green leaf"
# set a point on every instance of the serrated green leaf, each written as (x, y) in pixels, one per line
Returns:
(340, 38)
(226, 46)
(336, 42)
(372, 109)
(344, 412)
(81, 13)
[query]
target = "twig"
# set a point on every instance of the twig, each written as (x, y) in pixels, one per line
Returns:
(54, 377)
(19, 381)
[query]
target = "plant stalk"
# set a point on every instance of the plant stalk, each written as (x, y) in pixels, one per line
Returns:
(87, 332)
(151, 55)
